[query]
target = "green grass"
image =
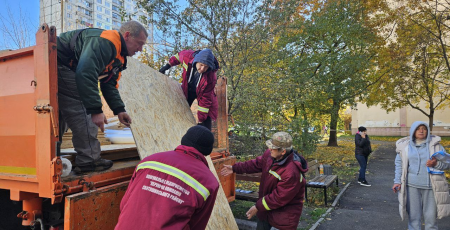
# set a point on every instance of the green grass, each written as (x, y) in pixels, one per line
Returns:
(240, 208)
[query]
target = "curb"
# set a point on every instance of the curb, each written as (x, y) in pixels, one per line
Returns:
(245, 224)
(336, 200)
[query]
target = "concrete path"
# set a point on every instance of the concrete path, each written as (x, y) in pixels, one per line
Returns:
(374, 207)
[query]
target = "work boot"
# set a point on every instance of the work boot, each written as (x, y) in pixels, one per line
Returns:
(98, 165)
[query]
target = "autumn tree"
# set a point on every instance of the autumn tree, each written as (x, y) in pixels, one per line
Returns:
(331, 58)
(415, 59)
(234, 29)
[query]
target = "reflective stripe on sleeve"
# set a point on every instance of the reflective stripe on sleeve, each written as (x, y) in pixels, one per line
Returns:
(170, 170)
(177, 57)
(185, 66)
(301, 178)
(202, 109)
(275, 174)
(265, 204)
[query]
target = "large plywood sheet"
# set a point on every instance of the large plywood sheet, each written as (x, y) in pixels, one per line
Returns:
(161, 116)
(159, 111)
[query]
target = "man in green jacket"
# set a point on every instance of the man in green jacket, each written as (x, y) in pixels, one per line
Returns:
(88, 58)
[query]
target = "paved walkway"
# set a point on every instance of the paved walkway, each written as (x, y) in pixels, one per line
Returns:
(374, 207)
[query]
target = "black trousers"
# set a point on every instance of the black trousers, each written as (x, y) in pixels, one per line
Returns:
(263, 225)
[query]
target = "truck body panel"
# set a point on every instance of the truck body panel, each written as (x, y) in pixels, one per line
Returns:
(30, 158)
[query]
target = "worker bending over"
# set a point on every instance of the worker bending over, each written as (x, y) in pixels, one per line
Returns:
(85, 58)
(174, 189)
(282, 187)
(198, 81)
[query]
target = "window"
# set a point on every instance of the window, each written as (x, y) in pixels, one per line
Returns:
(99, 24)
(115, 8)
(120, 3)
(115, 16)
(108, 19)
(99, 16)
(99, 8)
(99, 1)
(107, 4)
(108, 12)
(87, 12)
(69, 15)
(108, 27)
(69, 7)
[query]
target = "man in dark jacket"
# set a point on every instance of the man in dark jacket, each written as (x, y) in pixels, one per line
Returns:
(198, 81)
(174, 189)
(362, 151)
(282, 187)
(85, 58)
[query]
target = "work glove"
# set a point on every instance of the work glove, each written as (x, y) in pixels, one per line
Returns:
(164, 68)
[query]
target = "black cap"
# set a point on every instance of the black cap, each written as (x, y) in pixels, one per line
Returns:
(362, 128)
(200, 138)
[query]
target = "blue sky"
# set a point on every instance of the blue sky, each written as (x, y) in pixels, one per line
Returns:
(30, 18)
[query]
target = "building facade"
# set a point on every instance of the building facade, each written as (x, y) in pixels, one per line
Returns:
(67, 15)
(397, 123)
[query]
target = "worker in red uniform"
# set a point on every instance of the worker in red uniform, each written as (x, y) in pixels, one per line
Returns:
(282, 187)
(199, 80)
(174, 189)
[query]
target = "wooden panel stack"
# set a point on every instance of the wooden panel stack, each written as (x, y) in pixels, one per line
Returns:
(161, 116)
(67, 139)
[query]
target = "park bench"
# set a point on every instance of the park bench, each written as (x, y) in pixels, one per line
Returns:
(317, 180)
(313, 178)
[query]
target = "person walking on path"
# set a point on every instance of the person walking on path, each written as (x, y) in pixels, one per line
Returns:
(362, 152)
(87, 58)
(420, 192)
(174, 189)
(199, 80)
(282, 187)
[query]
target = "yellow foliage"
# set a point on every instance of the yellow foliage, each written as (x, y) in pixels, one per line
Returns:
(341, 156)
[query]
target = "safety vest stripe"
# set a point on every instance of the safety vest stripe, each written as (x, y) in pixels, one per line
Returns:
(265, 204)
(203, 109)
(301, 178)
(185, 66)
(275, 174)
(177, 57)
(170, 170)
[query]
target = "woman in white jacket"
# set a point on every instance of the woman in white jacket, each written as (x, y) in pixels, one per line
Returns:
(420, 192)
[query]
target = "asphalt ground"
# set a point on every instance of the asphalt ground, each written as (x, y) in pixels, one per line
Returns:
(374, 207)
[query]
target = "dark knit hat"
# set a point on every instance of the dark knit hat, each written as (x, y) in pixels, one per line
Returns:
(362, 128)
(200, 138)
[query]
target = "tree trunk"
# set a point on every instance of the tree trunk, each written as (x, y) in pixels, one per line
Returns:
(430, 119)
(305, 126)
(332, 141)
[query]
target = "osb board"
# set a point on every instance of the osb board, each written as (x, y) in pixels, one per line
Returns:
(161, 116)
(159, 111)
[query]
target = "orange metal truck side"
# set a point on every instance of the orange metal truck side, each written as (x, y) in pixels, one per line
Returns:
(27, 136)
(30, 165)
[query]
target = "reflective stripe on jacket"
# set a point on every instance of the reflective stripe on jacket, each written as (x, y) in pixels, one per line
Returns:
(281, 191)
(98, 54)
(169, 190)
(207, 100)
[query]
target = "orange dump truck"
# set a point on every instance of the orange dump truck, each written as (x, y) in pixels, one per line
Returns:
(32, 191)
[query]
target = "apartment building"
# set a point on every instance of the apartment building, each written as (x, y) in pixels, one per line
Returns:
(68, 15)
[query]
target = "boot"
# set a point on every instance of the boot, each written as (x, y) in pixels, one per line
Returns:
(98, 165)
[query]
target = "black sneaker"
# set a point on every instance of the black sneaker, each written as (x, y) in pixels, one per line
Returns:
(365, 183)
(98, 165)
